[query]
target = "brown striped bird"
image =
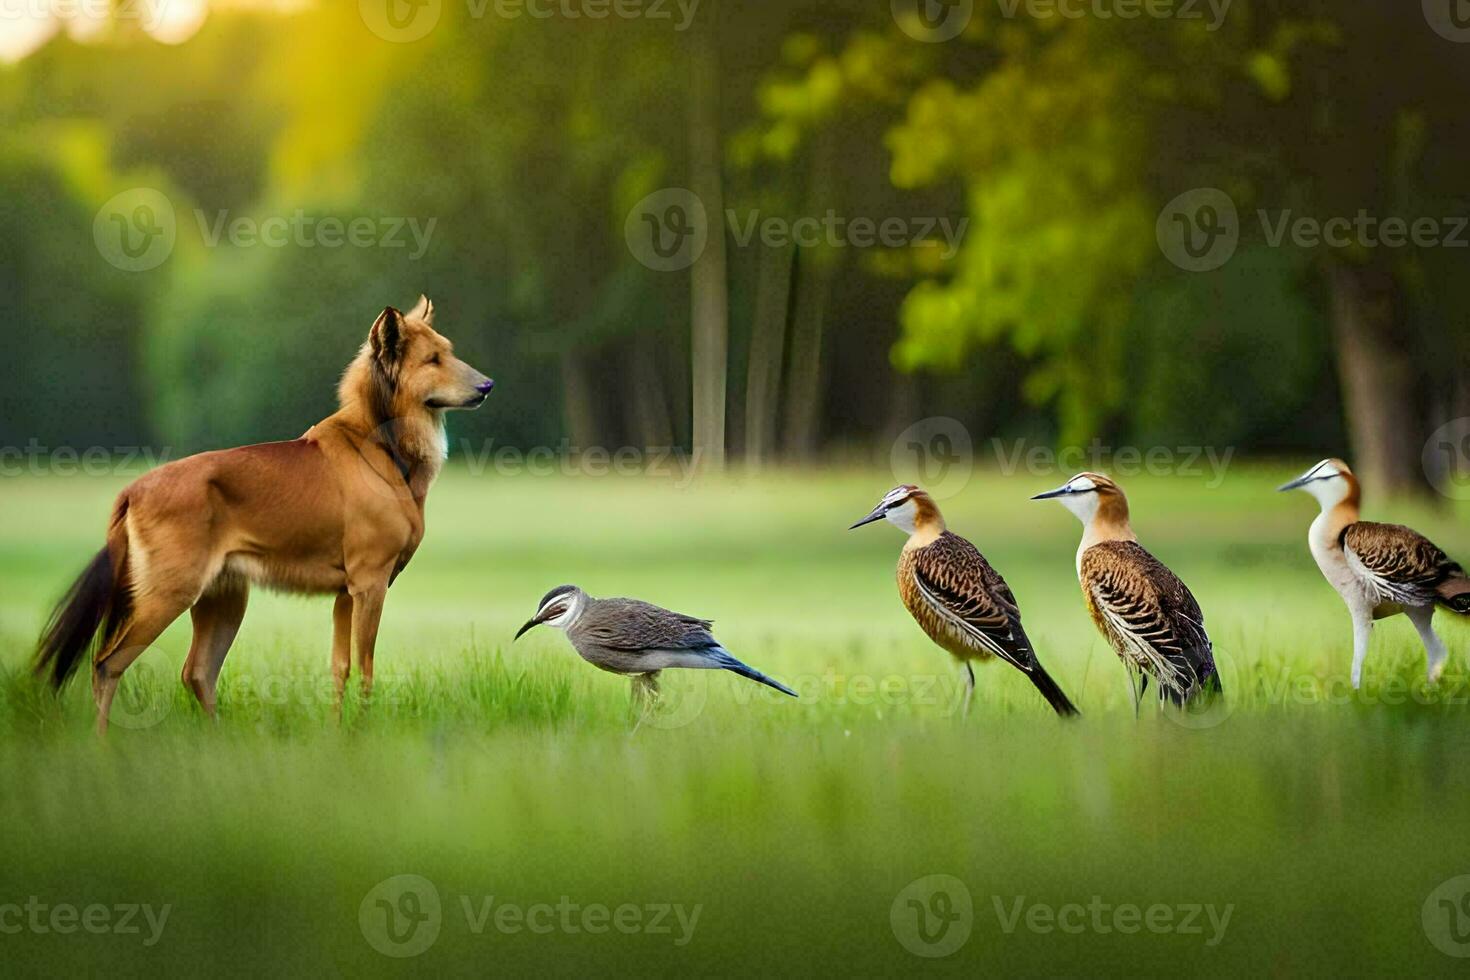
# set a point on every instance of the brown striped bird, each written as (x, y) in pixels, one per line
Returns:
(1380, 570)
(1143, 610)
(956, 597)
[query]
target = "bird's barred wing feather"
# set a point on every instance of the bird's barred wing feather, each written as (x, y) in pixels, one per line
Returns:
(1403, 565)
(631, 624)
(1149, 610)
(962, 588)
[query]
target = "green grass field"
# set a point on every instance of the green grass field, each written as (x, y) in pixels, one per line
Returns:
(504, 775)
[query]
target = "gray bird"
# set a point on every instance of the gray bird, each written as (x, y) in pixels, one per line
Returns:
(637, 639)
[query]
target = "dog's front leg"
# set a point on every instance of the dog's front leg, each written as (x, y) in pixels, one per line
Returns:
(341, 648)
(367, 610)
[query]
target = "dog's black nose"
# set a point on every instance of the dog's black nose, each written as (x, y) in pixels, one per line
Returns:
(484, 386)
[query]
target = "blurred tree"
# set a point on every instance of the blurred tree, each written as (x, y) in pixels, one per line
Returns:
(1068, 135)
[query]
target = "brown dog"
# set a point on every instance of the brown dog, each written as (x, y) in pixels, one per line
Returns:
(339, 511)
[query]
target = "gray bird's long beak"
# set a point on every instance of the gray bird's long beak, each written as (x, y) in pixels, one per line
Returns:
(1058, 492)
(1300, 481)
(522, 630)
(876, 515)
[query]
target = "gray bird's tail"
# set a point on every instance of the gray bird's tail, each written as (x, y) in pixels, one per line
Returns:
(722, 659)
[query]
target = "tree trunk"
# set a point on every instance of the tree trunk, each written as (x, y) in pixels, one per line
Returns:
(648, 408)
(578, 399)
(709, 297)
(767, 348)
(1381, 391)
(804, 386)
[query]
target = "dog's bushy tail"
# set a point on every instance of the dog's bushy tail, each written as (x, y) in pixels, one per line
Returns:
(92, 612)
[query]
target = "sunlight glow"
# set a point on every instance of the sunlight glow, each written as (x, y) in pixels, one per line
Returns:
(175, 21)
(25, 25)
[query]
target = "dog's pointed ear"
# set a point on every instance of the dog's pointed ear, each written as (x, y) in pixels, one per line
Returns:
(386, 336)
(423, 310)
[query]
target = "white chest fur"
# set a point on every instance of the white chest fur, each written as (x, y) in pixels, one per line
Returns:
(1333, 562)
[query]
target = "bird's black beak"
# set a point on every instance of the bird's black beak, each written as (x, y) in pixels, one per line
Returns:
(876, 515)
(1294, 484)
(520, 632)
(1058, 492)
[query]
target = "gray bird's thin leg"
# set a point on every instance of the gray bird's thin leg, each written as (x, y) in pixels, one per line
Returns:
(1135, 687)
(1434, 648)
(969, 687)
(1362, 633)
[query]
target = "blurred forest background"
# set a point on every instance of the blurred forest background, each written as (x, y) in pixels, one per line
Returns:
(527, 140)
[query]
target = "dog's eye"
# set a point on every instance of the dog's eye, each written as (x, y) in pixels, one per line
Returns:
(433, 360)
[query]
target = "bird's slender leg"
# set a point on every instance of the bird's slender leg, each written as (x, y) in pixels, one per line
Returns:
(1135, 687)
(969, 687)
(1362, 633)
(645, 692)
(1434, 648)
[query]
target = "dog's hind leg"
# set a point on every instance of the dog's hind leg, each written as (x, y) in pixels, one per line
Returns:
(152, 614)
(341, 647)
(217, 618)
